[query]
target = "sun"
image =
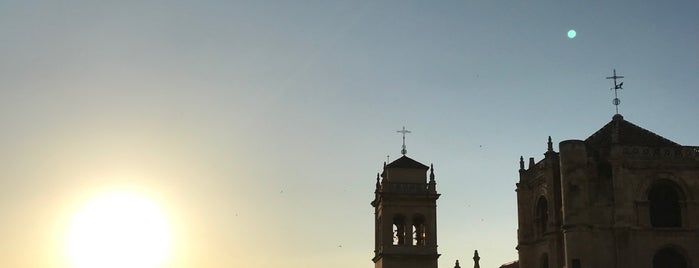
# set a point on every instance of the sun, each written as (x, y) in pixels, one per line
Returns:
(119, 229)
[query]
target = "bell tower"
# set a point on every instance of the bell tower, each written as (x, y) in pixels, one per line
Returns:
(405, 214)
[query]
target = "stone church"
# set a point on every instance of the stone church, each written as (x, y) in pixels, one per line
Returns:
(623, 197)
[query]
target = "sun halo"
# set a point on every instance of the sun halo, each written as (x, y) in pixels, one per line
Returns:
(119, 229)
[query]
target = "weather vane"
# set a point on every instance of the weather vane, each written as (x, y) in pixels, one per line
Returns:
(616, 86)
(403, 131)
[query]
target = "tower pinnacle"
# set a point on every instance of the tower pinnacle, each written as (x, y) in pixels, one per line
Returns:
(476, 258)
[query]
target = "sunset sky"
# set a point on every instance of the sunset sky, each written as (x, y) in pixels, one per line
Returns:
(258, 127)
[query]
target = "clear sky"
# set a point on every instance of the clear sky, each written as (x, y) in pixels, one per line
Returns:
(259, 126)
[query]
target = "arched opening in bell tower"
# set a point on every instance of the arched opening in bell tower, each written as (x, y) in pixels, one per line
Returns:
(398, 230)
(419, 230)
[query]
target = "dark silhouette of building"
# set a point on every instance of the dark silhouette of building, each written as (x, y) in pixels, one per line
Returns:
(405, 212)
(624, 197)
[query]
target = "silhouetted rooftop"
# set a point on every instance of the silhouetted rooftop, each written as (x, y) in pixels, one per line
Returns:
(406, 162)
(622, 132)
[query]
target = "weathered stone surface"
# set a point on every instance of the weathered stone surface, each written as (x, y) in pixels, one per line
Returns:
(624, 197)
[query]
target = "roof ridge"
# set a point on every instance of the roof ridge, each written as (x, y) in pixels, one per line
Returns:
(620, 131)
(406, 162)
(651, 133)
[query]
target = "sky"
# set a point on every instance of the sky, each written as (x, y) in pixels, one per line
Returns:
(258, 127)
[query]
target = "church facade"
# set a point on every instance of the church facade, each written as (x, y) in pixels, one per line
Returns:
(623, 197)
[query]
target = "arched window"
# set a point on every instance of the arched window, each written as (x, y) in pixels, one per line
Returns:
(419, 230)
(544, 260)
(399, 230)
(669, 258)
(542, 215)
(664, 204)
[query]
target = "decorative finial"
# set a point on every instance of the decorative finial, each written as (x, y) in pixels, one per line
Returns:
(403, 131)
(531, 162)
(521, 163)
(550, 145)
(476, 259)
(457, 264)
(616, 86)
(432, 185)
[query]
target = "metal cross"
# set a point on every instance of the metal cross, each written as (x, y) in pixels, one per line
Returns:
(616, 86)
(403, 131)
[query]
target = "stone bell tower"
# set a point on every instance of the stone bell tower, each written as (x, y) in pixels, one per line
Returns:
(405, 215)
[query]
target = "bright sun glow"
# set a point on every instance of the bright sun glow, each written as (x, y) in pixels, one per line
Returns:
(117, 230)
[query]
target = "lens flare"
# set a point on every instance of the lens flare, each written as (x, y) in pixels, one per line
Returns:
(572, 34)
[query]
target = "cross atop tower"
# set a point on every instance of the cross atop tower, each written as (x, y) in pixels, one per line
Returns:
(616, 86)
(403, 131)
